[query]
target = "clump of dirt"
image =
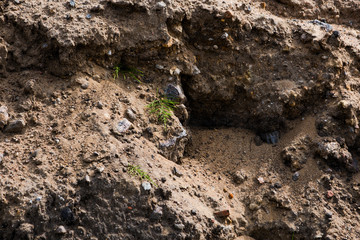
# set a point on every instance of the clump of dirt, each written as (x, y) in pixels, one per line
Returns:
(262, 144)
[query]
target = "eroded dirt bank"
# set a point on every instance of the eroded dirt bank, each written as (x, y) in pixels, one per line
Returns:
(264, 143)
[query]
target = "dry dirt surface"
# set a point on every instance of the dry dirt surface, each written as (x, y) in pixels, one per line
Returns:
(263, 142)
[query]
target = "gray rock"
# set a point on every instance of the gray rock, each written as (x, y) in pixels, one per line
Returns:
(179, 226)
(34, 154)
(169, 143)
(296, 176)
(328, 214)
(270, 137)
(122, 126)
(130, 114)
(160, 5)
(336, 152)
(1, 157)
(4, 116)
(160, 67)
(146, 186)
(67, 215)
(175, 93)
(15, 126)
(323, 25)
(99, 105)
(176, 172)
(85, 85)
(225, 35)
(60, 230)
(72, 3)
(195, 70)
(174, 147)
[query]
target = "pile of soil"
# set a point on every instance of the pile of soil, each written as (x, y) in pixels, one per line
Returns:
(263, 142)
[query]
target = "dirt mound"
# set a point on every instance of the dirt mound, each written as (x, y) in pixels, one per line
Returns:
(125, 119)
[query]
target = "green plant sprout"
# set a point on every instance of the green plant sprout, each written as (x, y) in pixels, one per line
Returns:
(127, 71)
(162, 108)
(134, 170)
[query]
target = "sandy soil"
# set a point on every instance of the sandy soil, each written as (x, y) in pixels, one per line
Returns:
(263, 143)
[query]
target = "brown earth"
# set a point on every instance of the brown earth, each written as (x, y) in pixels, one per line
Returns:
(263, 143)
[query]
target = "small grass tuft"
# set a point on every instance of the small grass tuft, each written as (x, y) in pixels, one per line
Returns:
(162, 108)
(134, 170)
(127, 71)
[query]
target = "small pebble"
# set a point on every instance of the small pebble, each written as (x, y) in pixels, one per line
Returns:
(336, 34)
(60, 230)
(196, 70)
(176, 172)
(328, 214)
(88, 16)
(224, 36)
(261, 180)
(122, 126)
(247, 9)
(161, 5)
(146, 186)
(67, 215)
(130, 114)
(157, 213)
(179, 226)
(72, 3)
(296, 176)
(87, 178)
(85, 85)
(99, 105)
(160, 67)
(277, 185)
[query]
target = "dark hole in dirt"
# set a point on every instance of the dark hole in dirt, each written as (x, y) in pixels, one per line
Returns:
(209, 113)
(225, 133)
